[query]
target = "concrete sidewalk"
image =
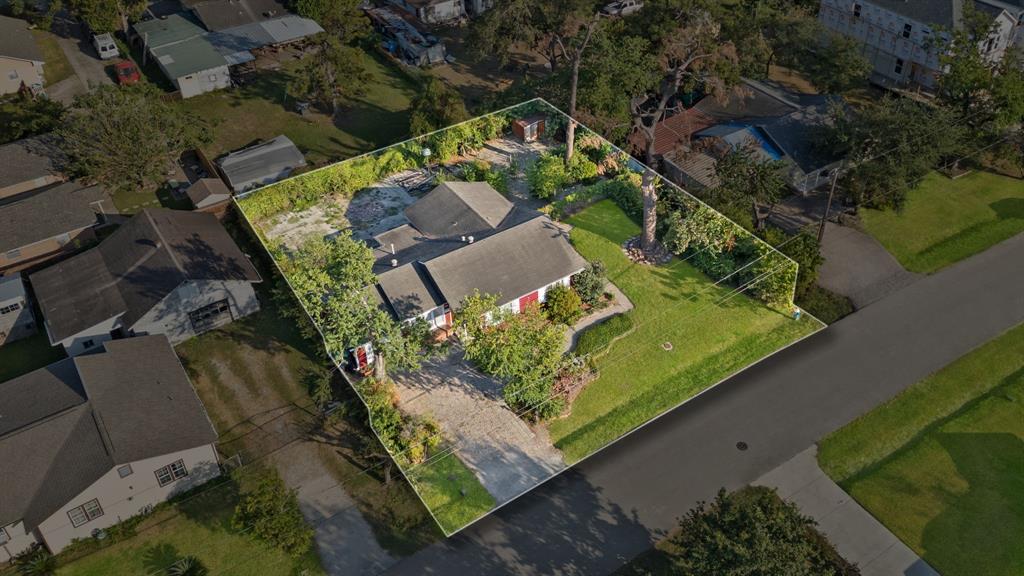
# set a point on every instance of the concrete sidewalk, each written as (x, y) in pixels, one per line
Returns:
(856, 534)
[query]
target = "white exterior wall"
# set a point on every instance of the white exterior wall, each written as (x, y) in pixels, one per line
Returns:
(436, 13)
(170, 316)
(881, 33)
(16, 324)
(205, 81)
(100, 333)
(542, 293)
(122, 498)
(18, 542)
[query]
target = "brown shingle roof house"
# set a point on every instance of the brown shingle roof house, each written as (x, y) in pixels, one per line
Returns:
(165, 271)
(90, 441)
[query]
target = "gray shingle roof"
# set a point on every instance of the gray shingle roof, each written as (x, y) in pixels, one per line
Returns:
(459, 209)
(510, 263)
(261, 164)
(409, 290)
(17, 42)
(29, 159)
(47, 212)
(208, 191)
(180, 44)
(221, 14)
(136, 267)
(80, 417)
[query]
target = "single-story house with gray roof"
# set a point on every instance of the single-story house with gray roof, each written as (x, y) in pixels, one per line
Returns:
(21, 60)
(29, 163)
(167, 272)
(91, 441)
(464, 237)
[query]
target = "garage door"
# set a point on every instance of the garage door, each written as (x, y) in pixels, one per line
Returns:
(530, 298)
(210, 316)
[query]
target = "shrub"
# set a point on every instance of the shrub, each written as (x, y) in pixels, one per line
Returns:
(597, 338)
(582, 169)
(270, 511)
(187, 566)
(563, 305)
(716, 266)
(481, 171)
(547, 176)
(825, 305)
(36, 561)
(590, 283)
(624, 190)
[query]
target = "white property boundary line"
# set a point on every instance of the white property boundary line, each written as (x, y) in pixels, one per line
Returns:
(256, 229)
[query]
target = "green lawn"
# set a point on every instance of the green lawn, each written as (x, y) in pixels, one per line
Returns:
(948, 220)
(260, 110)
(198, 527)
(675, 303)
(942, 465)
(25, 355)
(452, 492)
(55, 64)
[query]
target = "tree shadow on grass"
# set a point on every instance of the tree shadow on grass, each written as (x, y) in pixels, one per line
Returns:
(1008, 208)
(981, 531)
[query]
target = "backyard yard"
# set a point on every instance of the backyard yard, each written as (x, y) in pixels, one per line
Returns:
(710, 335)
(945, 220)
(25, 355)
(942, 464)
(261, 109)
(56, 66)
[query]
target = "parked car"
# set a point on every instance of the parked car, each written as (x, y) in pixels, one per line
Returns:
(105, 46)
(622, 7)
(127, 73)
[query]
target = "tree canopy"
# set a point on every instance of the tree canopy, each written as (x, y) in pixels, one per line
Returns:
(334, 72)
(108, 15)
(125, 138)
(436, 106)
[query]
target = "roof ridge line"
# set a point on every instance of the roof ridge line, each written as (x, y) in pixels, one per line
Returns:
(165, 243)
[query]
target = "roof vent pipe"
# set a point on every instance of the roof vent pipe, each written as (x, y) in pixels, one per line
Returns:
(394, 262)
(469, 239)
(463, 238)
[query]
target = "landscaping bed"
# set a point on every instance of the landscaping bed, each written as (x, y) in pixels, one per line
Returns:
(942, 464)
(945, 221)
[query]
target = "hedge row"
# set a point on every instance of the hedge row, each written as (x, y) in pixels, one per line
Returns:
(597, 338)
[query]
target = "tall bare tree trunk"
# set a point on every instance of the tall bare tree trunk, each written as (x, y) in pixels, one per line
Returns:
(650, 198)
(380, 370)
(570, 130)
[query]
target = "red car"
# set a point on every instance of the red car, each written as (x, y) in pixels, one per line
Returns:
(127, 73)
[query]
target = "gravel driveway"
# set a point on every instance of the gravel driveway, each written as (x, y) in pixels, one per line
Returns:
(507, 456)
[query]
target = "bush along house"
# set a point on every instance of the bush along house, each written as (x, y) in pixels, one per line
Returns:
(464, 237)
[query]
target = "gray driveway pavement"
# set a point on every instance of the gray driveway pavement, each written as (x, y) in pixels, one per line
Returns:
(506, 455)
(90, 71)
(596, 516)
(858, 267)
(857, 535)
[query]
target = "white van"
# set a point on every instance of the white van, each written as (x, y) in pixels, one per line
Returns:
(105, 46)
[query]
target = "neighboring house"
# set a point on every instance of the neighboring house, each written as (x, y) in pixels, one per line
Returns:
(168, 272)
(478, 7)
(196, 49)
(463, 237)
(405, 41)
(21, 60)
(28, 164)
(16, 321)
(91, 441)
(901, 38)
(775, 126)
(264, 163)
(433, 11)
(209, 195)
(47, 222)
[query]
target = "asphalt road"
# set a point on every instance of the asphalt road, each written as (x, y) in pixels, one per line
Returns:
(594, 517)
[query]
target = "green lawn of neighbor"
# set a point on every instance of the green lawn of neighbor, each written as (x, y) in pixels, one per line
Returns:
(942, 464)
(55, 64)
(674, 303)
(261, 110)
(200, 527)
(945, 220)
(25, 355)
(442, 482)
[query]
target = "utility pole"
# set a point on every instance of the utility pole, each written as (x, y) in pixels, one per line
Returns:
(828, 206)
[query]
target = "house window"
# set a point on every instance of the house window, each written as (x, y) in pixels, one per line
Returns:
(88, 343)
(989, 45)
(856, 10)
(91, 510)
(11, 308)
(13, 75)
(213, 77)
(210, 316)
(125, 471)
(899, 66)
(173, 471)
(4, 538)
(906, 30)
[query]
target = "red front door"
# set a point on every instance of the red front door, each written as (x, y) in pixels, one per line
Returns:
(528, 299)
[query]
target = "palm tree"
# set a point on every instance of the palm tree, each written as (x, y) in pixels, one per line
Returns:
(187, 566)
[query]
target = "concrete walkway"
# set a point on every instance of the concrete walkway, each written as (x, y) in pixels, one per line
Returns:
(858, 267)
(858, 537)
(506, 455)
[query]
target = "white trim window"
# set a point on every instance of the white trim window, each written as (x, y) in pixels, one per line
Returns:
(87, 512)
(4, 536)
(172, 472)
(125, 471)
